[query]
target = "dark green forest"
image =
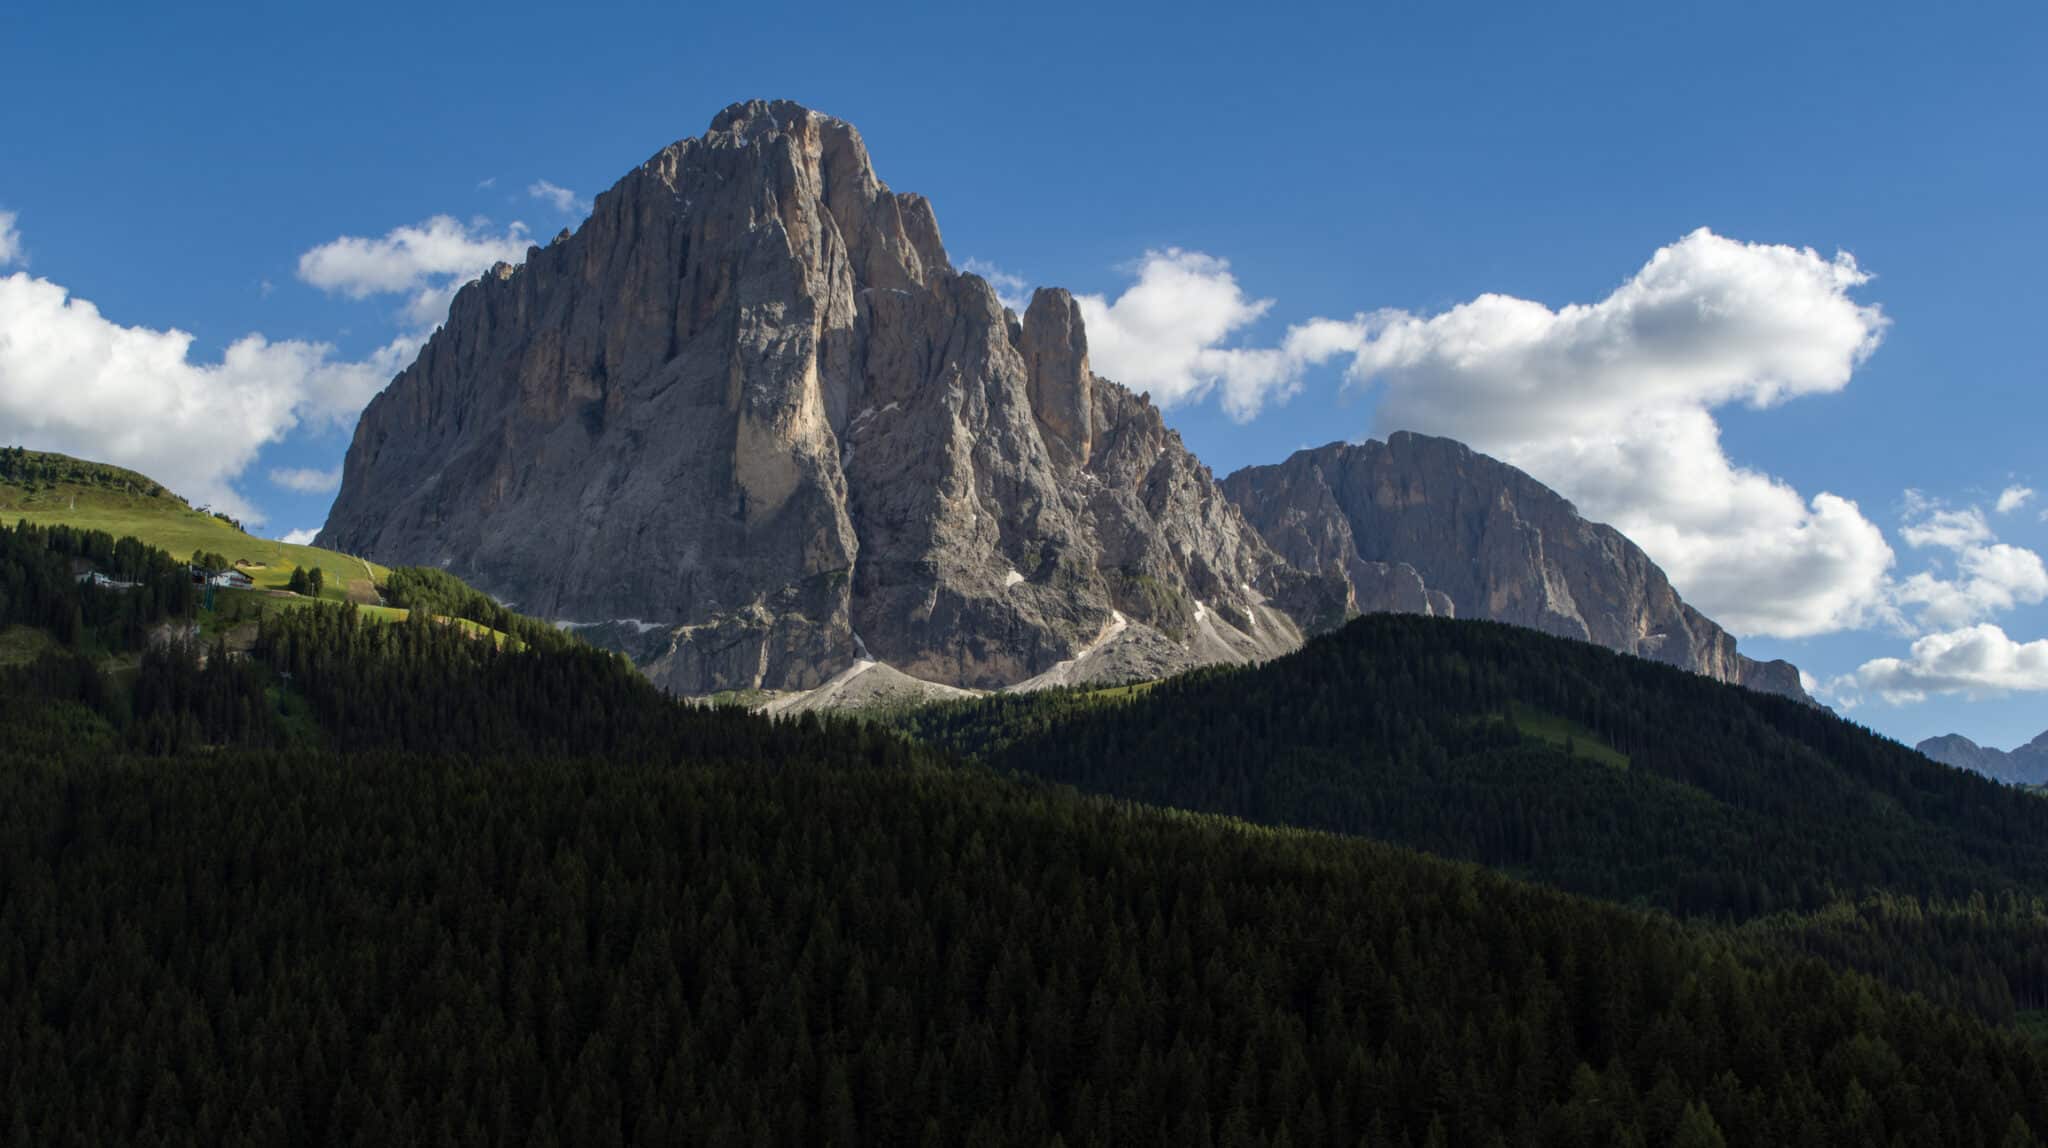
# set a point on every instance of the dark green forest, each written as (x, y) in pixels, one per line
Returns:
(395, 884)
(382, 950)
(39, 587)
(1731, 803)
(1703, 799)
(425, 589)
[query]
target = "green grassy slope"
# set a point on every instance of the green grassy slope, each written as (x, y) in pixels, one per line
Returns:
(49, 488)
(53, 489)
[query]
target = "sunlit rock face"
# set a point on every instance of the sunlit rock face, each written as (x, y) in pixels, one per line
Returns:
(749, 424)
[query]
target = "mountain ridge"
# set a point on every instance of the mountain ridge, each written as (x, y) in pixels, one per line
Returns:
(2022, 765)
(1418, 524)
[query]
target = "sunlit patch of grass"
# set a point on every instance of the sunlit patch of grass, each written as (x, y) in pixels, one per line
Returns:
(20, 645)
(170, 525)
(1567, 735)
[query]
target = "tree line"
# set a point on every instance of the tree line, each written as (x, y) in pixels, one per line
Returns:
(38, 470)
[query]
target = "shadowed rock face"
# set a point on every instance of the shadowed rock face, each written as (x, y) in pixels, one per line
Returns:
(749, 424)
(2027, 765)
(1428, 526)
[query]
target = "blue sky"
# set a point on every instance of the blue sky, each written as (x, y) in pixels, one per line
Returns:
(172, 168)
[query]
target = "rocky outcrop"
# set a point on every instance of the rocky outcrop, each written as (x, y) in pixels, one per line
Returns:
(2027, 765)
(1428, 526)
(750, 424)
(865, 686)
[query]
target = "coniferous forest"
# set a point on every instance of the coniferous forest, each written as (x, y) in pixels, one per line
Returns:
(1585, 769)
(346, 882)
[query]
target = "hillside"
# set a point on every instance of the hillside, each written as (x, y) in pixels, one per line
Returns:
(1592, 771)
(580, 912)
(57, 490)
(538, 951)
(47, 489)
(1602, 773)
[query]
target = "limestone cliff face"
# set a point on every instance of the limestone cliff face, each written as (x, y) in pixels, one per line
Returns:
(1426, 525)
(750, 424)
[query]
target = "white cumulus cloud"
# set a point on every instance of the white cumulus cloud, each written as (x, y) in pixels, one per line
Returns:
(1931, 524)
(1165, 333)
(427, 262)
(303, 537)
(2014, 497)
(74, 381)
(560, 198)
(1976, 660)
(1989, 580)
(307, 480)
(1989, 577)
(1706, 322)
(1612, 403)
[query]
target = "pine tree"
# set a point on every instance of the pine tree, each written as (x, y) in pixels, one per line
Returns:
(1696, 1129)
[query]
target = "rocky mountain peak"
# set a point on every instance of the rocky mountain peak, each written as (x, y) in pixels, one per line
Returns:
(1426, 525)
(748, 423)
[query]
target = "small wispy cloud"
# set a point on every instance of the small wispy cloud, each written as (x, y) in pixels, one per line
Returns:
(558, 197)
(486, 184)
(1988, 576)
(307, 480)
(2014, 497)
(428, 262)
(1930, 523)
(300, 537)
(10, 240)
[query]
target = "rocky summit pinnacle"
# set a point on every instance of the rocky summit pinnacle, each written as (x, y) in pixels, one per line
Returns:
(749, 423)
(1426, 525)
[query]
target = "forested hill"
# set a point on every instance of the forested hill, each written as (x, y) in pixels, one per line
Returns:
(1594, 771)
(328, 676)
(40, 470)
(1588, 770)
(239, 949)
